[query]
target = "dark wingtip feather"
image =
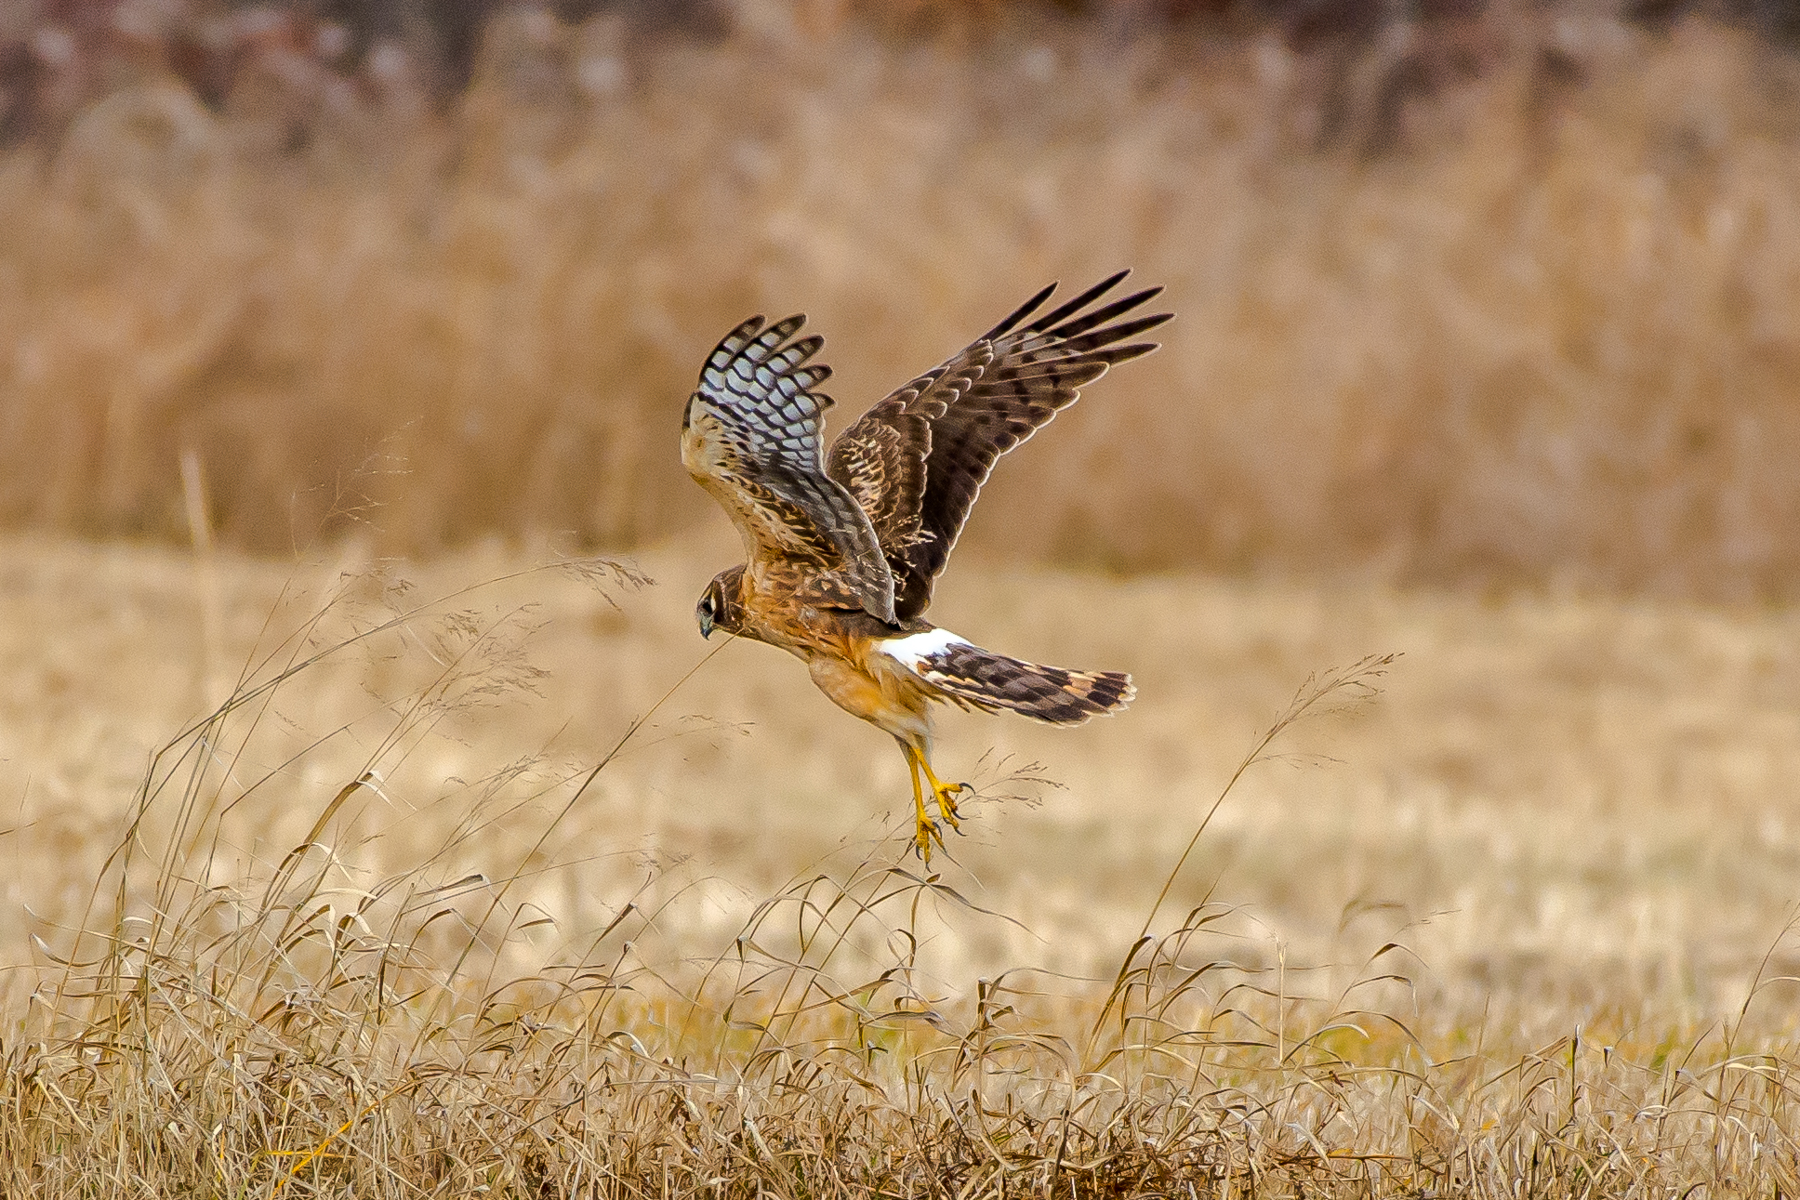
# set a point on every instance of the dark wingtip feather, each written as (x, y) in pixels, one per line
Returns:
(1112, 356)
(1100, 316)
(1113, 333)
(1057, 315)
(1020, 313)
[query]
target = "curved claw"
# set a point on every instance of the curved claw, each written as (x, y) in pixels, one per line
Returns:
(926, 833)
(944, 793)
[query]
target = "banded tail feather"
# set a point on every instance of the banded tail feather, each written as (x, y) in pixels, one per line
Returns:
(982, 679)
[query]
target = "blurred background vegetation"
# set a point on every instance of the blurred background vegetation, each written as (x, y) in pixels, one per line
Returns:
(1489, 292)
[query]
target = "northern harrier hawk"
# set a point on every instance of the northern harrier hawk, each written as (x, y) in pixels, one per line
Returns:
(843, 547)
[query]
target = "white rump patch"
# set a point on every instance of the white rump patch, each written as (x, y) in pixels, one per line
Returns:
(915, 648)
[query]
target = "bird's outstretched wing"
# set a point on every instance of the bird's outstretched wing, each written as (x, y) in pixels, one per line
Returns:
(881, 462)
(751, 437)
(916, 461)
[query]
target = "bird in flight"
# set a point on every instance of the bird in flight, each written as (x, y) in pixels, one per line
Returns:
(843, 546)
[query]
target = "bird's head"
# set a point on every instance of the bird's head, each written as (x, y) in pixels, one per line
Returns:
(720, 606)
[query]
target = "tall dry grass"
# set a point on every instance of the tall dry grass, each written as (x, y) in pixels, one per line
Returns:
(248, 1003)
(1516, 304)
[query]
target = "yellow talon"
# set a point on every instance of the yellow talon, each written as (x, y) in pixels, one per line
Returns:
(943, 793)
(927, 829)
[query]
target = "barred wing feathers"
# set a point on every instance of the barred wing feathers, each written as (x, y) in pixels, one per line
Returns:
(995, 394)
(881, 458)
(751, 437)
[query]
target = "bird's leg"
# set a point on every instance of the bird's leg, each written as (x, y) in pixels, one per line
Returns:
(926, 829)
(943, 793)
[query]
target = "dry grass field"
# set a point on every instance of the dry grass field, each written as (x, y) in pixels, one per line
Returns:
(362, 835)
(1520, 921)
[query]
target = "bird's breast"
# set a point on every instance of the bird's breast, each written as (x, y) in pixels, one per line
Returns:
(861, 685)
